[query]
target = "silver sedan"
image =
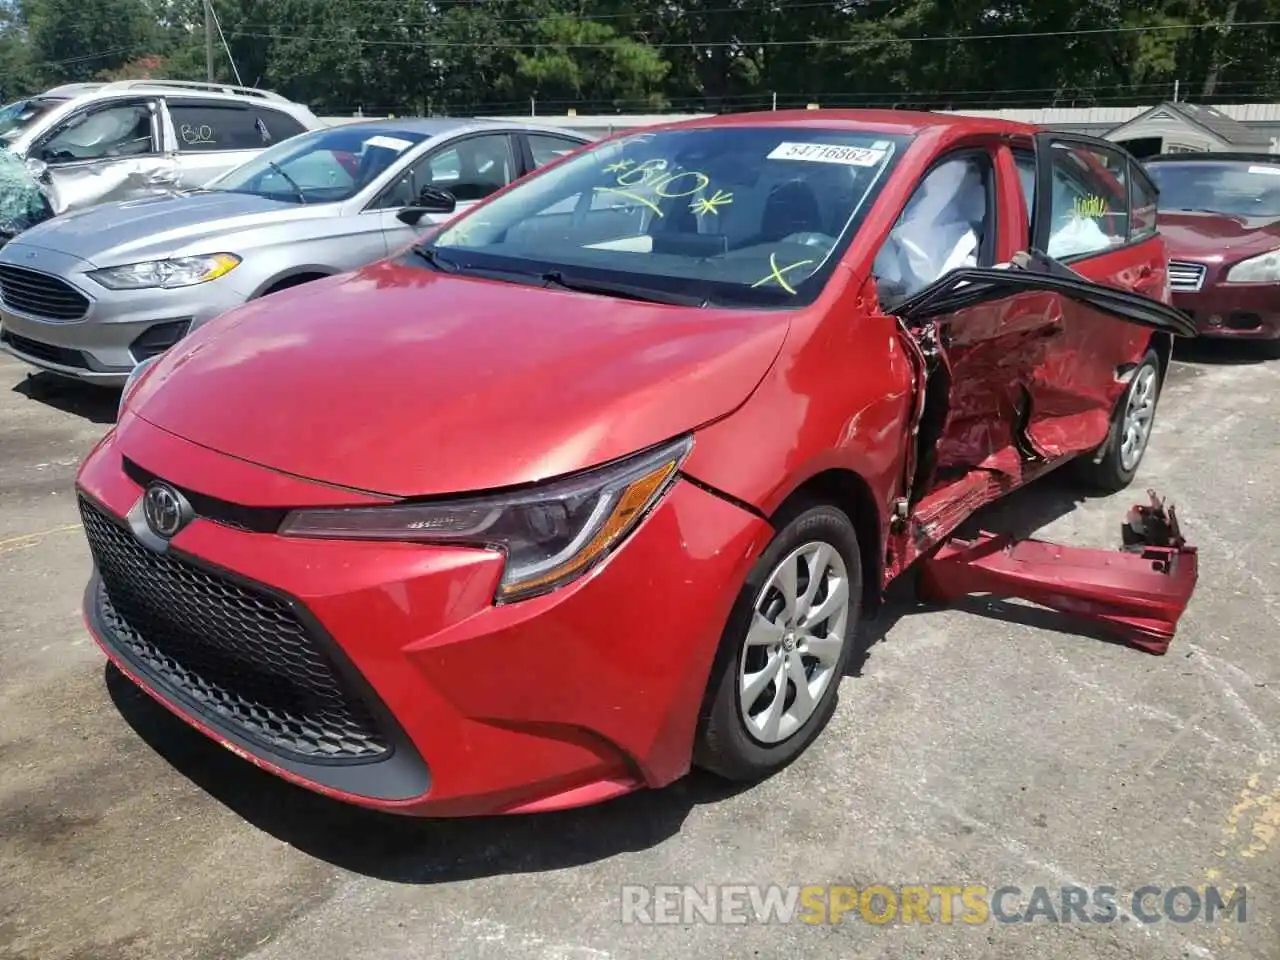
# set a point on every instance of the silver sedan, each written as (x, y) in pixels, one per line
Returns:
(93, 293)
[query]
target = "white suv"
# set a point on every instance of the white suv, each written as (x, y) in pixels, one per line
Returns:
(86, 143)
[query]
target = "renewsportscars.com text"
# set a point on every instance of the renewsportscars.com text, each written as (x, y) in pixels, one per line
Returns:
(930, 904)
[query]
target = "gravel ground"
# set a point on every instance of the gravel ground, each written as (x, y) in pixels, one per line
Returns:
(975, 746)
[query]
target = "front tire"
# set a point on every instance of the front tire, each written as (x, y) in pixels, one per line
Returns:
(774, 684)
(1132, 423)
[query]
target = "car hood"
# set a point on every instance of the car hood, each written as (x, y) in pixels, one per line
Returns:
(1215, 238)
(127, 231)
(402, 381)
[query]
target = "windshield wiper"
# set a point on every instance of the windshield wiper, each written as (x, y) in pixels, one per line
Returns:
(554, 278)
(302, 197)
(433, 258)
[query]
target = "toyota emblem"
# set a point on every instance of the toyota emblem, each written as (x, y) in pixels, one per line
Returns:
(165, 509)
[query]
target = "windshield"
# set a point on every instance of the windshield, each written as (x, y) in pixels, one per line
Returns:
(17, 117)
(1236, 188)
(731, 215)
(324, 166)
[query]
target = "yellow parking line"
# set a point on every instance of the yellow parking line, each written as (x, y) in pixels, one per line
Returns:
(30, 539)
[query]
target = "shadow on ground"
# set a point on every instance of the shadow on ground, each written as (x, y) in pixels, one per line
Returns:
(96, 404)
(1223, 352)
(403, 849)
(1022, 514)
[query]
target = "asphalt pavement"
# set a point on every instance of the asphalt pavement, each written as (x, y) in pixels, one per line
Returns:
(976, 746)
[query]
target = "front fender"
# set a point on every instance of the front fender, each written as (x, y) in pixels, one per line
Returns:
(313, 271)
(838, 398)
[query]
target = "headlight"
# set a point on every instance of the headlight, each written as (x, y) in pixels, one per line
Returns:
(132, 382)
(1261, 269)
(177, 272)
(550, 535)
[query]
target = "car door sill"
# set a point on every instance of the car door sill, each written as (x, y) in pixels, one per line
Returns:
(1136, 594)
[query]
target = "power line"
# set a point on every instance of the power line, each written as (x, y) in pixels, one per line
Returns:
(699, 44)
(681, 13)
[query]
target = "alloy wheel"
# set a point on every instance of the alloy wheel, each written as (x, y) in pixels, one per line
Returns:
(793, 646)
(1139, 412)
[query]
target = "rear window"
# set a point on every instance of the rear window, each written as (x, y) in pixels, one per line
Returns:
(279, 125)
(202, 127)
(1235, 188)
(738, 214)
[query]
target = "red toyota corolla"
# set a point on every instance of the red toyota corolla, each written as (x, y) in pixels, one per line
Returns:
(597, 481)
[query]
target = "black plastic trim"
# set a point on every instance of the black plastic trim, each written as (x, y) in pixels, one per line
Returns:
(224, 512)
(401, 775)
(950, 293)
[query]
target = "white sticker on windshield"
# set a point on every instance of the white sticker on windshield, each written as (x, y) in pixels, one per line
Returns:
(390, 143)
(1270, 171)
(828, 153)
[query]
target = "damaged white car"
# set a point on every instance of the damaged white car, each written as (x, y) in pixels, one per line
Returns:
(87, 143)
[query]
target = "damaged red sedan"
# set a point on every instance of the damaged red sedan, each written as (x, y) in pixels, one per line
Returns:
(596, 482)
(1220, 217)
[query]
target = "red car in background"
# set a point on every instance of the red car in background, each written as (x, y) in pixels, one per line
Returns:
(1220, 216)
(597, 481)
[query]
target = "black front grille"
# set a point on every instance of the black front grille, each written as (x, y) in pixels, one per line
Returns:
(242, 655)
(40, 294)
(45, 351)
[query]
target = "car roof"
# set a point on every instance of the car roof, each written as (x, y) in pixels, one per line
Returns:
(907, 122)
(1214, 155)
(438, 126)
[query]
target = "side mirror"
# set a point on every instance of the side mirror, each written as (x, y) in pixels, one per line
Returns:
(410, 216)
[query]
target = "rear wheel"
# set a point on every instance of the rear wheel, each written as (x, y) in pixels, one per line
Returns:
(774, 684)
(1131, 425)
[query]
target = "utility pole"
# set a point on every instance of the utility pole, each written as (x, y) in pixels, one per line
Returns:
(208, 38)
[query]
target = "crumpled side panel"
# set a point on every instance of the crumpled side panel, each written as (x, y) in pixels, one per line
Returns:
(132, 178)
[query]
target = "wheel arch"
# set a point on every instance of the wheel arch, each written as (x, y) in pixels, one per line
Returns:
(1162, 344)
(848, 491)
(293, 278)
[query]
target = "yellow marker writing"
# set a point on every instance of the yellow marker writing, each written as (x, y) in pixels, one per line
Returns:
(776, 273)
(712, 204)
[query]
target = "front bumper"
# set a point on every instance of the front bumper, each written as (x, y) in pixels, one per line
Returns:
(119, 328)
(556, 701)
(1239, 311)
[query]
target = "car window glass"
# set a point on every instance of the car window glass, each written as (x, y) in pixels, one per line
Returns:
(471, 169)
(203, 127)
(18, 117)
(940, 229)
(123, 130)
(1142, 218)
(321, 166)
(1089, 210)
(1026, 163)
(742, 214)
(546, 148)
(1235, 188)
(280, 126)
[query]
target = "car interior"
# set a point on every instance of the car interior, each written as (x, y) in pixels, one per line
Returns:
(118, 131)
(743, 212)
